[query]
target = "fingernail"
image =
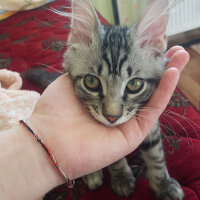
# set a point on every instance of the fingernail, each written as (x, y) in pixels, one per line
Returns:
(166, 60)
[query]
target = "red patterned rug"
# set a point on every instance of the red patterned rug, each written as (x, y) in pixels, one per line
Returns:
(37, 39)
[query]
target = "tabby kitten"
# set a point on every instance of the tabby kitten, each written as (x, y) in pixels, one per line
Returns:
(115, 71)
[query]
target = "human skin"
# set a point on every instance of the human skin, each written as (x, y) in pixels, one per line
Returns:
(80, 144)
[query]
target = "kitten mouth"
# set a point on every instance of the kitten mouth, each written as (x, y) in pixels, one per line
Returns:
(112, 119)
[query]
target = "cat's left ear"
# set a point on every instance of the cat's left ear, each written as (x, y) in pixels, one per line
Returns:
(152, 26)
(85, 23)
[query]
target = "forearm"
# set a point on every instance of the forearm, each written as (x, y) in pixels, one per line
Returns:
(26, 171)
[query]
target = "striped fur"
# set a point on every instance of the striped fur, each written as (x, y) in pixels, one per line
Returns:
(161, 183)
(114, 57)
(114, 62)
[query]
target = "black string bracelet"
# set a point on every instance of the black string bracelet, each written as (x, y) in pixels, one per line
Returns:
(69, 183)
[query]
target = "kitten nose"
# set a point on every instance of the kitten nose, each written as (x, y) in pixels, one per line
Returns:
(112, 119)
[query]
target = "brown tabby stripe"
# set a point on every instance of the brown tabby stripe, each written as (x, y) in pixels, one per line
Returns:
(115, 43)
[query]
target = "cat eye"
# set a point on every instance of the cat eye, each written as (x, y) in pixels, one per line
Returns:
(92, 83)
(135, 85)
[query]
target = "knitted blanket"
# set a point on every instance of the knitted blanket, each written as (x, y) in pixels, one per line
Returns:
(15, 104)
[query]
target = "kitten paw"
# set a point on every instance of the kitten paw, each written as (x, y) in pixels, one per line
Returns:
(94, 180)
(170, 190)
(123, 185)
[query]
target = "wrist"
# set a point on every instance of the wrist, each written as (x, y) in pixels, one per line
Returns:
(54, 137)
(41, 172)
(50, 154)
(29, 171)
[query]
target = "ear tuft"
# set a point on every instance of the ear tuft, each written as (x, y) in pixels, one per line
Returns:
(152, 27)
(85, 23)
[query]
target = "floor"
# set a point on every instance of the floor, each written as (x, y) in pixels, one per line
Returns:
(189, 82)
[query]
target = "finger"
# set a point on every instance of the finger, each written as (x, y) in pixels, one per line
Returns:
(179, 60)
(172, 50)
(159, 100)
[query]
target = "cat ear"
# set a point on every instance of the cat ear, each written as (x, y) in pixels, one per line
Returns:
(152, 26)
(85, 23)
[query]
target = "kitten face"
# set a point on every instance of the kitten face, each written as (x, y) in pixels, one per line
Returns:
(113, 77)
(115, 70)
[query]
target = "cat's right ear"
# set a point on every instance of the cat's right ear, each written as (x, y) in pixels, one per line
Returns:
(152, 26)
(85, 24)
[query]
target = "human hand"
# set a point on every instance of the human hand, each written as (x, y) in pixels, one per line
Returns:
(80, 144)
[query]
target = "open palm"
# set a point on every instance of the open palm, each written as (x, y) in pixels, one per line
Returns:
(80, 144)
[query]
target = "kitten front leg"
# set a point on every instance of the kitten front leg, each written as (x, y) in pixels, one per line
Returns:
(164, 187)
(93, 180)
(122, 179)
